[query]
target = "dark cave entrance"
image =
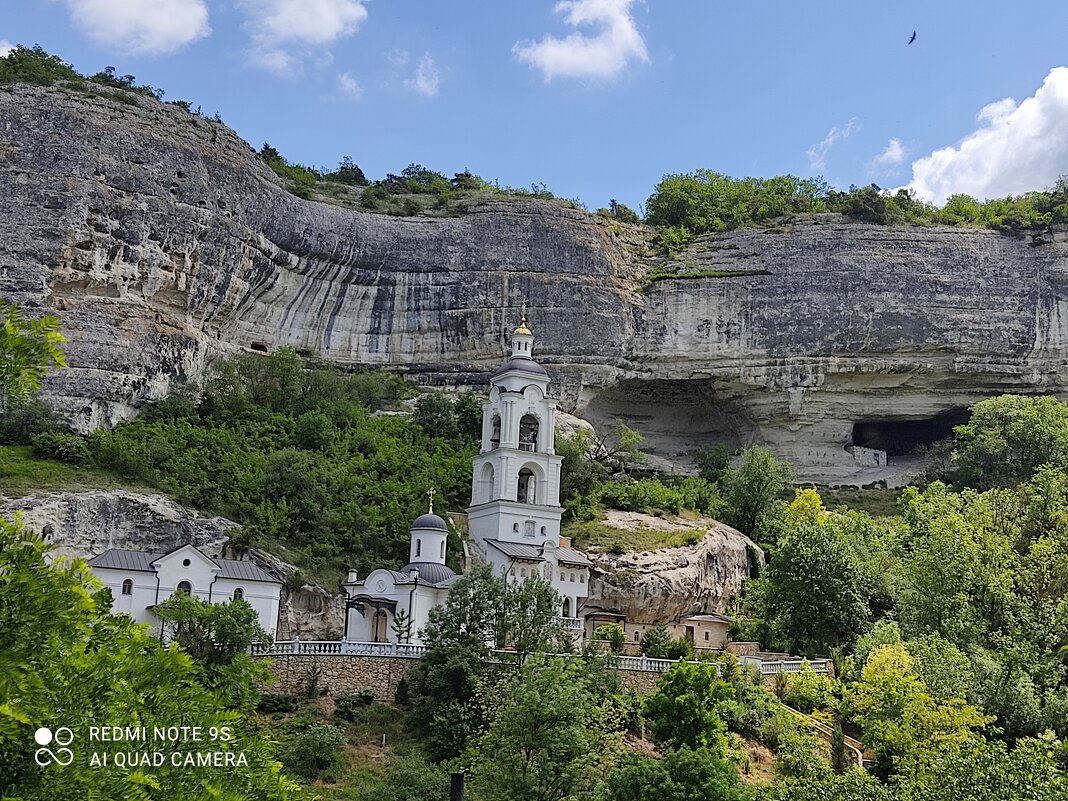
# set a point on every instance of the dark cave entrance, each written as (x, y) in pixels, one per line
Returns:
(902, 437)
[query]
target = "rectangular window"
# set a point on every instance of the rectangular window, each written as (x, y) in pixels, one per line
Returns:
(706, 635)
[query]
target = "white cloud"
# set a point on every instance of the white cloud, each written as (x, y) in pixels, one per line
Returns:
(426, 79)
(893, 154)
(602, 56)
(142, 26)
(1017, 148)
(349, 85)
(817, 154)
(5, 47)
(285, 32)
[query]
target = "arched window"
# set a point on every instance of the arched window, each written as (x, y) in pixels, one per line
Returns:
(127, 586)
(527, 487)
(495, 433)
(186, 587)
(442, 549)
(515, 527)
(582, 578)
(636, 636)
(567, 608)
(543, 531)
(239, 593)
(418, 547)
(528, 433)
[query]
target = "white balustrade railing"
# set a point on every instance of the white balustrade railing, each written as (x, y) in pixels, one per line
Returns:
(572, 623)
(408, 651)
(795, 666)
(338, 648)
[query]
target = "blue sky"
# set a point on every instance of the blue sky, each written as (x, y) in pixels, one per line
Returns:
(601, 98)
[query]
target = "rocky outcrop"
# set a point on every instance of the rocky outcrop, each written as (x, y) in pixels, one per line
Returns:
(84, 524)
(663, 585)
(162, 242)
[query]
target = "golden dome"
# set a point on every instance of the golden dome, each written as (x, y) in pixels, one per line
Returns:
(523, 331)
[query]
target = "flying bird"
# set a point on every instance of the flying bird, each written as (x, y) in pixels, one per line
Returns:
(912, 38)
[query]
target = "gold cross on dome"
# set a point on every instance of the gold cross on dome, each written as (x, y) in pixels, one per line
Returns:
(430, 492)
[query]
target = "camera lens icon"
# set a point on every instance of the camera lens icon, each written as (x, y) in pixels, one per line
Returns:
(62, 737)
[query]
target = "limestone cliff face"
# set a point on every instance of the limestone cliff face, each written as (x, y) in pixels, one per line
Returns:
(84, 524)
(162, 242)
(662, 586)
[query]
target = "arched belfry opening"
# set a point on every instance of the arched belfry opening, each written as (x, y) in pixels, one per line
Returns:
(527, 488)
(529, 426)
(495, 432)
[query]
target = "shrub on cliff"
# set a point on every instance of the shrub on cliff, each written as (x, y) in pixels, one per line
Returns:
(69, 448)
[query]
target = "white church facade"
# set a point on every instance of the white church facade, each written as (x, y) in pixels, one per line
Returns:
(139, 580)
(513, 520)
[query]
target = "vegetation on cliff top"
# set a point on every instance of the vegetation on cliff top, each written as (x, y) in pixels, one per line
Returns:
(681, 208)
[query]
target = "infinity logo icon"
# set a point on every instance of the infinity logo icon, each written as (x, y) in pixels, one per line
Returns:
(62, 737)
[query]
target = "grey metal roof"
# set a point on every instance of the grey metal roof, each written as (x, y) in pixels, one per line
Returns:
(430, 520)
(119, 559)
(523, 364)
(244, 570)
(535, 553)
(572, 557)
(429, 571)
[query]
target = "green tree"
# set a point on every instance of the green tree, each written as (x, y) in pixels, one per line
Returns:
(686, 708)
(65, 661)
(435, 415)
(27, 349)
(402, 626)
(815, 596)
(683, 774)
(445, 684)
(902, 723)
(530, 621)
(546, 741)
(612, 634)
(754, 490)
(712, 461)
(656, 642)
(1008, 438)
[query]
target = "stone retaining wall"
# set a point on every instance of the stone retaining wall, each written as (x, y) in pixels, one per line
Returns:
(381, 674)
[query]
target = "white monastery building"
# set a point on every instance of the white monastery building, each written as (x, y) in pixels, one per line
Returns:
(139, 580)
(513, 520)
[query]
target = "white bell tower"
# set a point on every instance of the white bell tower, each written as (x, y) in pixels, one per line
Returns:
(515, 488)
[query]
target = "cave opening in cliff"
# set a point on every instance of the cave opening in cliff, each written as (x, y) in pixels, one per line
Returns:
(904, 437)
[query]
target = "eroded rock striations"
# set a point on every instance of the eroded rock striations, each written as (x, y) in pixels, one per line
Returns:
(162, 242)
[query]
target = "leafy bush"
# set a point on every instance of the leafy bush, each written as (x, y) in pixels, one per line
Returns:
(641, 494)
(276, 702)
(613, 634)
(315, 751)
(20, 424)
(350, 705)
(807, 691)
(69, 448)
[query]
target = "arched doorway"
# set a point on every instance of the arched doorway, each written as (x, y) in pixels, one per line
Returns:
(566, 611)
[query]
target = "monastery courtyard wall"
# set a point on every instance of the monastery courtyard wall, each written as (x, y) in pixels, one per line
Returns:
(381, 674)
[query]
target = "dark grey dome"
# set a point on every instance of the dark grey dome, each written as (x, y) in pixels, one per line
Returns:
(430, 572)
(521, 363)
(430, 520)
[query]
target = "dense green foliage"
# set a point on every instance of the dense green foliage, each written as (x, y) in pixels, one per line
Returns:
(687, 205)
(65, 661)
(480, 609)
(299, 456)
